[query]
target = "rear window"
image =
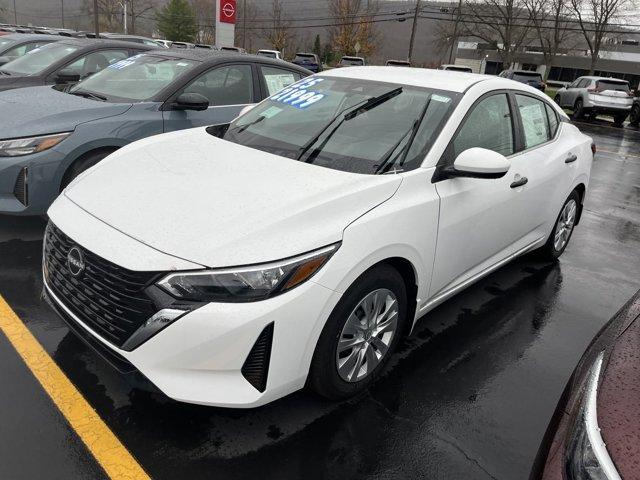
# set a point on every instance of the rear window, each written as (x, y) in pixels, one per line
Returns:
(302, 57)
(351, 61)
(460, 69)
(526, 77)
(603, 85)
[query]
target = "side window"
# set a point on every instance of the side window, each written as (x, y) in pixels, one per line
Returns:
(96, 61)
(584, 83)
(553, 120)
(230, 85)
(535, 123)
(488, 126)
(276, 78)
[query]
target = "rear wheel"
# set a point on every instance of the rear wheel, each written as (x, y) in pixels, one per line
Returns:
(634, 117)
(618, 120)
(360, 335)
(557, 99)
(578, 110)
(561, 233)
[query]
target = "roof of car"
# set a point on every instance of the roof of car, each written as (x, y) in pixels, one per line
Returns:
(27, 37)
(418, 77)
(214, 56)
(92, 42)
(586, 77)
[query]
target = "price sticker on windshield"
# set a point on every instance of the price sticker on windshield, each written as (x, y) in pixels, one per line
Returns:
(299, 95)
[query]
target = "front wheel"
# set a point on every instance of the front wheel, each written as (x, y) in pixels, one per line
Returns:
(360, 335)
(561, 233)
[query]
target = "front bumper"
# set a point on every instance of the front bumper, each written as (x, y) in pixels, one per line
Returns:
(41, 185)
(199, 357)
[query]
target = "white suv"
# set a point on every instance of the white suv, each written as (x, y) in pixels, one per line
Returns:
(593, 96)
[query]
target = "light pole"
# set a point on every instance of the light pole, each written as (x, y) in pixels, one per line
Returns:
(413, 30)
(62, 11)
(123, 4)
(15, 13)
(95, 18)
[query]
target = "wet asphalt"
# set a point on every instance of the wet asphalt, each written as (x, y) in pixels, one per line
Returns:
(468, 396)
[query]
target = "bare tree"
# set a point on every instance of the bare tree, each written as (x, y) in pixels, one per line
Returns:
(552, 27)
(353, 25)
(110, 14)
(504, 24)
(138, 8)
(247, 15)
(278, 33)
(594, 18)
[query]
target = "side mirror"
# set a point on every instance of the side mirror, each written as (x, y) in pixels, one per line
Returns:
(4, 60)
(480, 163)
(191, 101)
(67, 76)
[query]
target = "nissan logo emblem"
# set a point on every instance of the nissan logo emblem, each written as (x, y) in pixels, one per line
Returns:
(75, 261)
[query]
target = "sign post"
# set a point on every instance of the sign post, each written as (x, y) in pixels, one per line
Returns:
(225, 22)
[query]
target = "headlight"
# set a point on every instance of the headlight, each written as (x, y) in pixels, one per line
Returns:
(587, 457)
(24, 146)
(246, 284)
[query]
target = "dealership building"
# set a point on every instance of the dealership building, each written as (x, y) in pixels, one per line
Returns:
(618, 58)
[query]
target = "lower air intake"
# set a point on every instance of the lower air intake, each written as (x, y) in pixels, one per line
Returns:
(256, 366)
(20, 188)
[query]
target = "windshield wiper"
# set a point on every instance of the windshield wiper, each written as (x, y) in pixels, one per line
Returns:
(386, 160)
(242, 128)
(351, 112)
(88, 94)
(4, 72)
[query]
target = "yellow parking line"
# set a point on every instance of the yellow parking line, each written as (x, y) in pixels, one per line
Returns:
(109, 452)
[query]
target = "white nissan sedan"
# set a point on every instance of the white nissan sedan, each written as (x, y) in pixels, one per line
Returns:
(234, 264)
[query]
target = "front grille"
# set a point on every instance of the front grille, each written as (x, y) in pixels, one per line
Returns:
(20, 188)
(109, 299)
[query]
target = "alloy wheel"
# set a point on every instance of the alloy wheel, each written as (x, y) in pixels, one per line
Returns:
(367, 335)
(565, 224)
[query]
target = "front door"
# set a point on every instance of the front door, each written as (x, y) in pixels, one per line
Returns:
(229, 88)
(483, 221)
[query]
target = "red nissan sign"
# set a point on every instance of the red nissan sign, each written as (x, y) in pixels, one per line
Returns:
(228, 11)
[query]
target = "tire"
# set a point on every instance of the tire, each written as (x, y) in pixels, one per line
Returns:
(329, 380)
(83, 163)
(634, 116)
(578, 110)
(551, 249)
(618, 120)
(557, 100)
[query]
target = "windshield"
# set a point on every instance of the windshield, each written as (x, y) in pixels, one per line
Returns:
(350, 125)
(5, 42)
(527, 77)
(268, 54)
(603, 85)
(135, 79)
(460, 69)
(39, 59)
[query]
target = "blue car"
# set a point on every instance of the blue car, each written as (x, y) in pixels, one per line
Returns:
(310, 61)
(49, 135)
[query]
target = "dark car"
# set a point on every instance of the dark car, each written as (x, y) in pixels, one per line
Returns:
(132, 38)
(49, 135)
(310, 61)
(15, 45)
(533, 79)
(65, 61)
(398, 63)
(595, 431)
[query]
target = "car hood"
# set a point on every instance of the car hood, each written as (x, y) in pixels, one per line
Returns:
(43, 110)
(19, 81)
(219, 204)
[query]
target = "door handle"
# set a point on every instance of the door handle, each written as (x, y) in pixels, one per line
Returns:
(519, 182)
(571, 158)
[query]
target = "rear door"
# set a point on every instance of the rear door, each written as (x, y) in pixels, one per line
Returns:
(273, 79)
(229, 88)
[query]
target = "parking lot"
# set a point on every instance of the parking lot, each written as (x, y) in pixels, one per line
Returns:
(469, 395)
